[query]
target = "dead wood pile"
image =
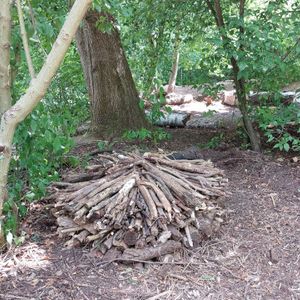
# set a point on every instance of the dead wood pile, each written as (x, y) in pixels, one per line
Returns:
(142, 203)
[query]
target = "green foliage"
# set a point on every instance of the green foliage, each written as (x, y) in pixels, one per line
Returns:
(208, 113)
(242, 138)
(156, 135)
(43, 140)
(104, 25)
(157, 102)
(213, 143)
(280, 125)
(105, 146)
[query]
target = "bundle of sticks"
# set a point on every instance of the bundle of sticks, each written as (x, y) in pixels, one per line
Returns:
(141, 202)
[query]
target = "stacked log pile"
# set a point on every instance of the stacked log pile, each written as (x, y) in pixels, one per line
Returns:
(143, 202)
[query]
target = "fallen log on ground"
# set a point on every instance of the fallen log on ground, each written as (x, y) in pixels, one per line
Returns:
(142, 202)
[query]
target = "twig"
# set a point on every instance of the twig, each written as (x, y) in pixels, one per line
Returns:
(273, 199)
(6, 296)
(178, 263)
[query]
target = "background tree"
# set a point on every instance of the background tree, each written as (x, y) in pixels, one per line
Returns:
(216, 10)
(157, 25)
(175, 64)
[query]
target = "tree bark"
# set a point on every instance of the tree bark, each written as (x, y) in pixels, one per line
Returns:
(35, 93)
(5, 32)
(173, 75)
(216, 11)
(113, 96)
(242, 100)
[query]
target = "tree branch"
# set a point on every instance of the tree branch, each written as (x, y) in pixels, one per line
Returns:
(25, 39)
(219, 13)
(211, 8)
(242, 14)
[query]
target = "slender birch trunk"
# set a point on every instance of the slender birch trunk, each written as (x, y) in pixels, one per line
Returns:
(37, 89)
(173, 75)
(25, 39)
(5, 33)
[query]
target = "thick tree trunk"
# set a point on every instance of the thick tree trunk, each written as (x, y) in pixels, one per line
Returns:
(35, 93)
(5, 30)
(173, 75)
(113, 96)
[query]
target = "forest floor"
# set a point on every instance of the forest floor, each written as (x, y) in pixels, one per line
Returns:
(255, 256)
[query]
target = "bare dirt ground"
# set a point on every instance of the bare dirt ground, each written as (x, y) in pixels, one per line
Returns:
(255, 256)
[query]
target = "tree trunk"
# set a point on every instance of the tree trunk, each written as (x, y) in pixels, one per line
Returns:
(5, 32)
(173, 75)
(25, 39)
(216, 10)
(242, 100)
(113, 96)
(34, 94)
(155, 44)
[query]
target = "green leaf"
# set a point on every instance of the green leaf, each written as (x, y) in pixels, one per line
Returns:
(286, 147)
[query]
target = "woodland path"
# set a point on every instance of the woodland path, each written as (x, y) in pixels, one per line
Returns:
(256, 255)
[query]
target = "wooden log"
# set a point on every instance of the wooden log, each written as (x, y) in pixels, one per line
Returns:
(78, 216)
(148, 200)
(187, 184)
(80, 237)
(130, 237)
(97, 208)
(95, 188)
(122, 197)
(132, 200)
(75, 178)
(161, 196)
(187, 166)
(188, 236)
(97, 236)
(65, 222)
(176, 235)
(189, 197)
(151, 252)
(153, 196)
(64, 231)
(111, 190)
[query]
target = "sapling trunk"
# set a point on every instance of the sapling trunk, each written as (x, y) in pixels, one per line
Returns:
(5, 33)
(216, 10)
(173, 75)
(37, 89)
(25, 39)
